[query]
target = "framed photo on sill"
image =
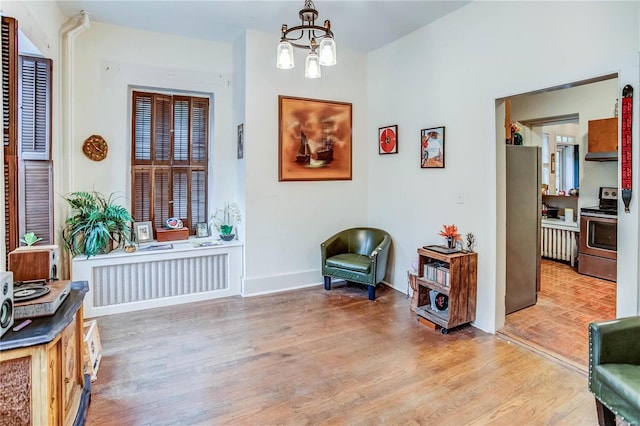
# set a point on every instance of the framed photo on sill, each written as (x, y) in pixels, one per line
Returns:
(314, 139)
(388, 140)
(143, 232)
(432, 148)
(202, 229)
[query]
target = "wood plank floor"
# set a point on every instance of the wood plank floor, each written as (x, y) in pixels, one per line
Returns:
(316, 357)
(567, 302)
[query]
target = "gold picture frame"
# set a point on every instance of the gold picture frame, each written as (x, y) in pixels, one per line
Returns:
(314, 140)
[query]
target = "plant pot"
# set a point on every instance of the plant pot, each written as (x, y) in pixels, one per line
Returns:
(451, 242)
(227, 237)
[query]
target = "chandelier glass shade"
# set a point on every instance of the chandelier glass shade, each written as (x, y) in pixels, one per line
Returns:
(306, 36)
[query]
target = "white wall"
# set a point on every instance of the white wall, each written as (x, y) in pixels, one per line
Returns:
(287, 221)
(450, 73)
(109, 61)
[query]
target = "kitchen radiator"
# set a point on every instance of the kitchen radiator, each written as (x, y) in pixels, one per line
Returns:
(559, 244)
(134, 282)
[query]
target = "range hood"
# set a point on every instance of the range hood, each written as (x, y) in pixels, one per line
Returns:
(603, 140)
(602, 156)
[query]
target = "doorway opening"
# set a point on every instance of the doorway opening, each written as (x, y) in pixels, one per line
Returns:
(565, 301)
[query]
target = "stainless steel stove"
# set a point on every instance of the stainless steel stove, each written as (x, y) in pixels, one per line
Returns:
(599, 236)
(607, 206)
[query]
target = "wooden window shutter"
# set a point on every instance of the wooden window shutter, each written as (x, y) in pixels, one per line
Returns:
(10, 85)
(142, 128)
(181, 195)
(161, 192)
(36, 178)
(10, 130)
(198, 196)
(162, 137)
(142, 195)
(35, 108)
(181, 126)
(10, 206)
(199, 131)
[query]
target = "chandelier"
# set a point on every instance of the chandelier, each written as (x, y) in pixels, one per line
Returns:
(306, 36)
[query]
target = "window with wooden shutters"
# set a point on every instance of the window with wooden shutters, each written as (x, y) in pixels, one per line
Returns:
(28, 169)
(169, 158)
(35, 175)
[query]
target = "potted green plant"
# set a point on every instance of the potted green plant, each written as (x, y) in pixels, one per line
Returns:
(95, 224)
(30, 238)
(224, 219)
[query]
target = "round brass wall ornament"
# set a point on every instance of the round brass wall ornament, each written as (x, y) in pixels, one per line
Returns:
(95, 148)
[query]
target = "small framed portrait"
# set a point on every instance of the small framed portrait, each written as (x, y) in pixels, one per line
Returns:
(388, 140)
(142, 232)
(202, 229)
(240, 141)
(432, 148)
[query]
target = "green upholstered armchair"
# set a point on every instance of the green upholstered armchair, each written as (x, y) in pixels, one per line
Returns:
(614, 369)
(357, 255)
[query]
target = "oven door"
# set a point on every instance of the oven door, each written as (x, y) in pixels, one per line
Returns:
(599, 236)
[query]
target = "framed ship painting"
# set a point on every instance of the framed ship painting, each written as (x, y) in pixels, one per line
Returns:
(314, 140)
(432, 148)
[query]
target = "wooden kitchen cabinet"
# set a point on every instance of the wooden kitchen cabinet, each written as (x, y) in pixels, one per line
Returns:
(44, 383)
(460, 287)
(603, 135)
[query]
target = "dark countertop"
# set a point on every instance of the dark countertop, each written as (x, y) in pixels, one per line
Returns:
(45, 329)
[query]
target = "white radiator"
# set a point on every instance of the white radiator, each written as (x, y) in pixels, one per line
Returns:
(559, 244)
(115, 284)
(124, 282)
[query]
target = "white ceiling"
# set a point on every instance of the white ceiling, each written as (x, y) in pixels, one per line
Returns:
(358, 25)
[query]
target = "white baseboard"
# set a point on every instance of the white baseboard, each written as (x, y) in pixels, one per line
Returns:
(286, 282)
(276, 283)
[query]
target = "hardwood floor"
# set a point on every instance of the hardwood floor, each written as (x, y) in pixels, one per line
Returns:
(316, 357)
(567, 303)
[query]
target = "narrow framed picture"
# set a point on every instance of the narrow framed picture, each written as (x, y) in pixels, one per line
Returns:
(240, 141)
(388, 140)
(202, 229)
(432, 148)
(143, 232)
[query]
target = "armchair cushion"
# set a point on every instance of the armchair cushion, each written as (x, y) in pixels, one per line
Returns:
(352, 261)
(614, 369)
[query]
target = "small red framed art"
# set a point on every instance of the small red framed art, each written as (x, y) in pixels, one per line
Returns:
(388, 140)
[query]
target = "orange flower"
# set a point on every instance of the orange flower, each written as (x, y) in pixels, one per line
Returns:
(450, 231)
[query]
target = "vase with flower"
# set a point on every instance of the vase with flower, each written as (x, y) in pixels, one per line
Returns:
(451, 234)
(225, 219)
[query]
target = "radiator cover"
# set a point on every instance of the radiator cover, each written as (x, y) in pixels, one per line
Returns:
(115, 284)
(122, 282)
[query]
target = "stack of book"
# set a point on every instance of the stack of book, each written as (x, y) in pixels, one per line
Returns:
(437, 272)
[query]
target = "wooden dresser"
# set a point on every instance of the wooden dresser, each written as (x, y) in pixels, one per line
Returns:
(43, 380)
